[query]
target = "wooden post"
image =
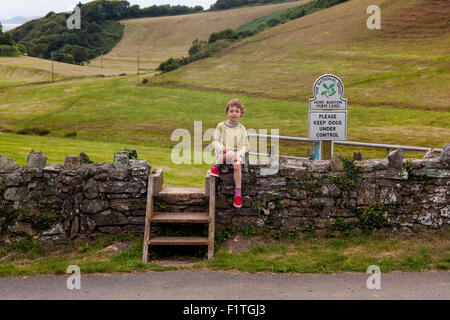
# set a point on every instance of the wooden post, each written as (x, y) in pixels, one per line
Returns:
(326, 150)
(148, 215)
(53, 78)
(212, 209)
(155, 181)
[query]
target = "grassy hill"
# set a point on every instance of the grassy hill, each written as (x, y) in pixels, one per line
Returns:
(158, 39)
(405, 64)
(23, 70)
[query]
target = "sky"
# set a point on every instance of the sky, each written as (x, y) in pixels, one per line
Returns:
(27, 8)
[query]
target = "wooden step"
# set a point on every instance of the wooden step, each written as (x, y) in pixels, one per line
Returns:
(184, 241)
(180, 217)
(180, 196)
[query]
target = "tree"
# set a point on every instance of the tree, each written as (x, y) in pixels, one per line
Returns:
(197, 46)
(39, 50)
(1, 28)
(79, 53)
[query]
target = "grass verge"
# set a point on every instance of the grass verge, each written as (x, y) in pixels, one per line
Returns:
(427, 251)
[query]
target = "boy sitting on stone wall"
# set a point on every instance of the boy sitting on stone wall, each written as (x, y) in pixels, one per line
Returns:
(230, 143)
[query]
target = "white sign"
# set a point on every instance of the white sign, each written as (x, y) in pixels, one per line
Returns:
(326, 125)
(328, 91)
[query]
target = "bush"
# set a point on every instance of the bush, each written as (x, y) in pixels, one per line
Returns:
(22, 48)
(273, 22)
(64, 57)
(169, 65)
(39, 50)
(5, 38)
(8, 51)
(197, 46)
(70, 134)
(79, 53)
(229, 34)
(34, 131)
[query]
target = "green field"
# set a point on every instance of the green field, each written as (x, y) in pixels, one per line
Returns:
(130, 114)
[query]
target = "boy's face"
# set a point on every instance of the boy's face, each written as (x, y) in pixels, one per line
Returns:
(234, 113)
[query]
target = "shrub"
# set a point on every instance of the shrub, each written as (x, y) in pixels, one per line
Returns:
(197, 46)
(39, 50)
(34, 131)
(169, 65)
(229, 34)
(22, 48)
(70, 134)
(273, 22)
(8, 51)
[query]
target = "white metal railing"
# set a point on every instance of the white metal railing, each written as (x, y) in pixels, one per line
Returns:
(346, 143)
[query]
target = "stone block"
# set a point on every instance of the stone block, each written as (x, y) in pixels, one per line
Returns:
(121, 160)
(14, 179)
(7, 165)
(357, 156)
(109, 217)
(395, 159)
(445, 154)
(94, 205)
(36, 160)
(72, 163)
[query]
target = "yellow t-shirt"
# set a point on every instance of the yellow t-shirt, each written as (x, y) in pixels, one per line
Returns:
(233, 137)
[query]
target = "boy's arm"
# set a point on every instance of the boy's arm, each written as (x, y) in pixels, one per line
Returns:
(245, 145)
(216, 139)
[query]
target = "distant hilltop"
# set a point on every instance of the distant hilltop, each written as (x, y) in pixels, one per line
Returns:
(12, 23)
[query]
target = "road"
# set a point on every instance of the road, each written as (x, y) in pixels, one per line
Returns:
(211, 285)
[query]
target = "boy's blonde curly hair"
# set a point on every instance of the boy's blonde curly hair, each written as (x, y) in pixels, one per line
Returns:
(236, 103)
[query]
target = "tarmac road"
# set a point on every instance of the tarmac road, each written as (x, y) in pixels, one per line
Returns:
(211, 285)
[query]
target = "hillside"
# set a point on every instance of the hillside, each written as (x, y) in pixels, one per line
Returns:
(405, 64)
(22, 70)
(158, 39)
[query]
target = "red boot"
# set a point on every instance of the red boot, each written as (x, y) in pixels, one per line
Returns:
(215, 171)
(237, 201)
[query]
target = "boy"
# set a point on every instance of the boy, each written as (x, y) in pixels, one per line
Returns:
(230, 142)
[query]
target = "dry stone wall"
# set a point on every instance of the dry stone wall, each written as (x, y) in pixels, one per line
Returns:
(56, 203)
(339, 196)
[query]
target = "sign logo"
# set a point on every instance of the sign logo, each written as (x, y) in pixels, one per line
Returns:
(74, 21)
(328, 91)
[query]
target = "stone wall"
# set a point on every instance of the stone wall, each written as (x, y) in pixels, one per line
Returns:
(56, 203)
(339, 196)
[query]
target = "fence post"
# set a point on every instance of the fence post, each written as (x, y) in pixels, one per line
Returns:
(326, 150)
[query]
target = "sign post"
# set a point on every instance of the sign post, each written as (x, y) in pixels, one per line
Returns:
(327, 116)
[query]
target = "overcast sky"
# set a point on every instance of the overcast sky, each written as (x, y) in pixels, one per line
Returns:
(26, 8)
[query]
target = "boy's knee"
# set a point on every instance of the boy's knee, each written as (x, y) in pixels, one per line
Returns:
(236, 166)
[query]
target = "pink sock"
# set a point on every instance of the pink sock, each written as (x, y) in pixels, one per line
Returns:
(237, 191)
